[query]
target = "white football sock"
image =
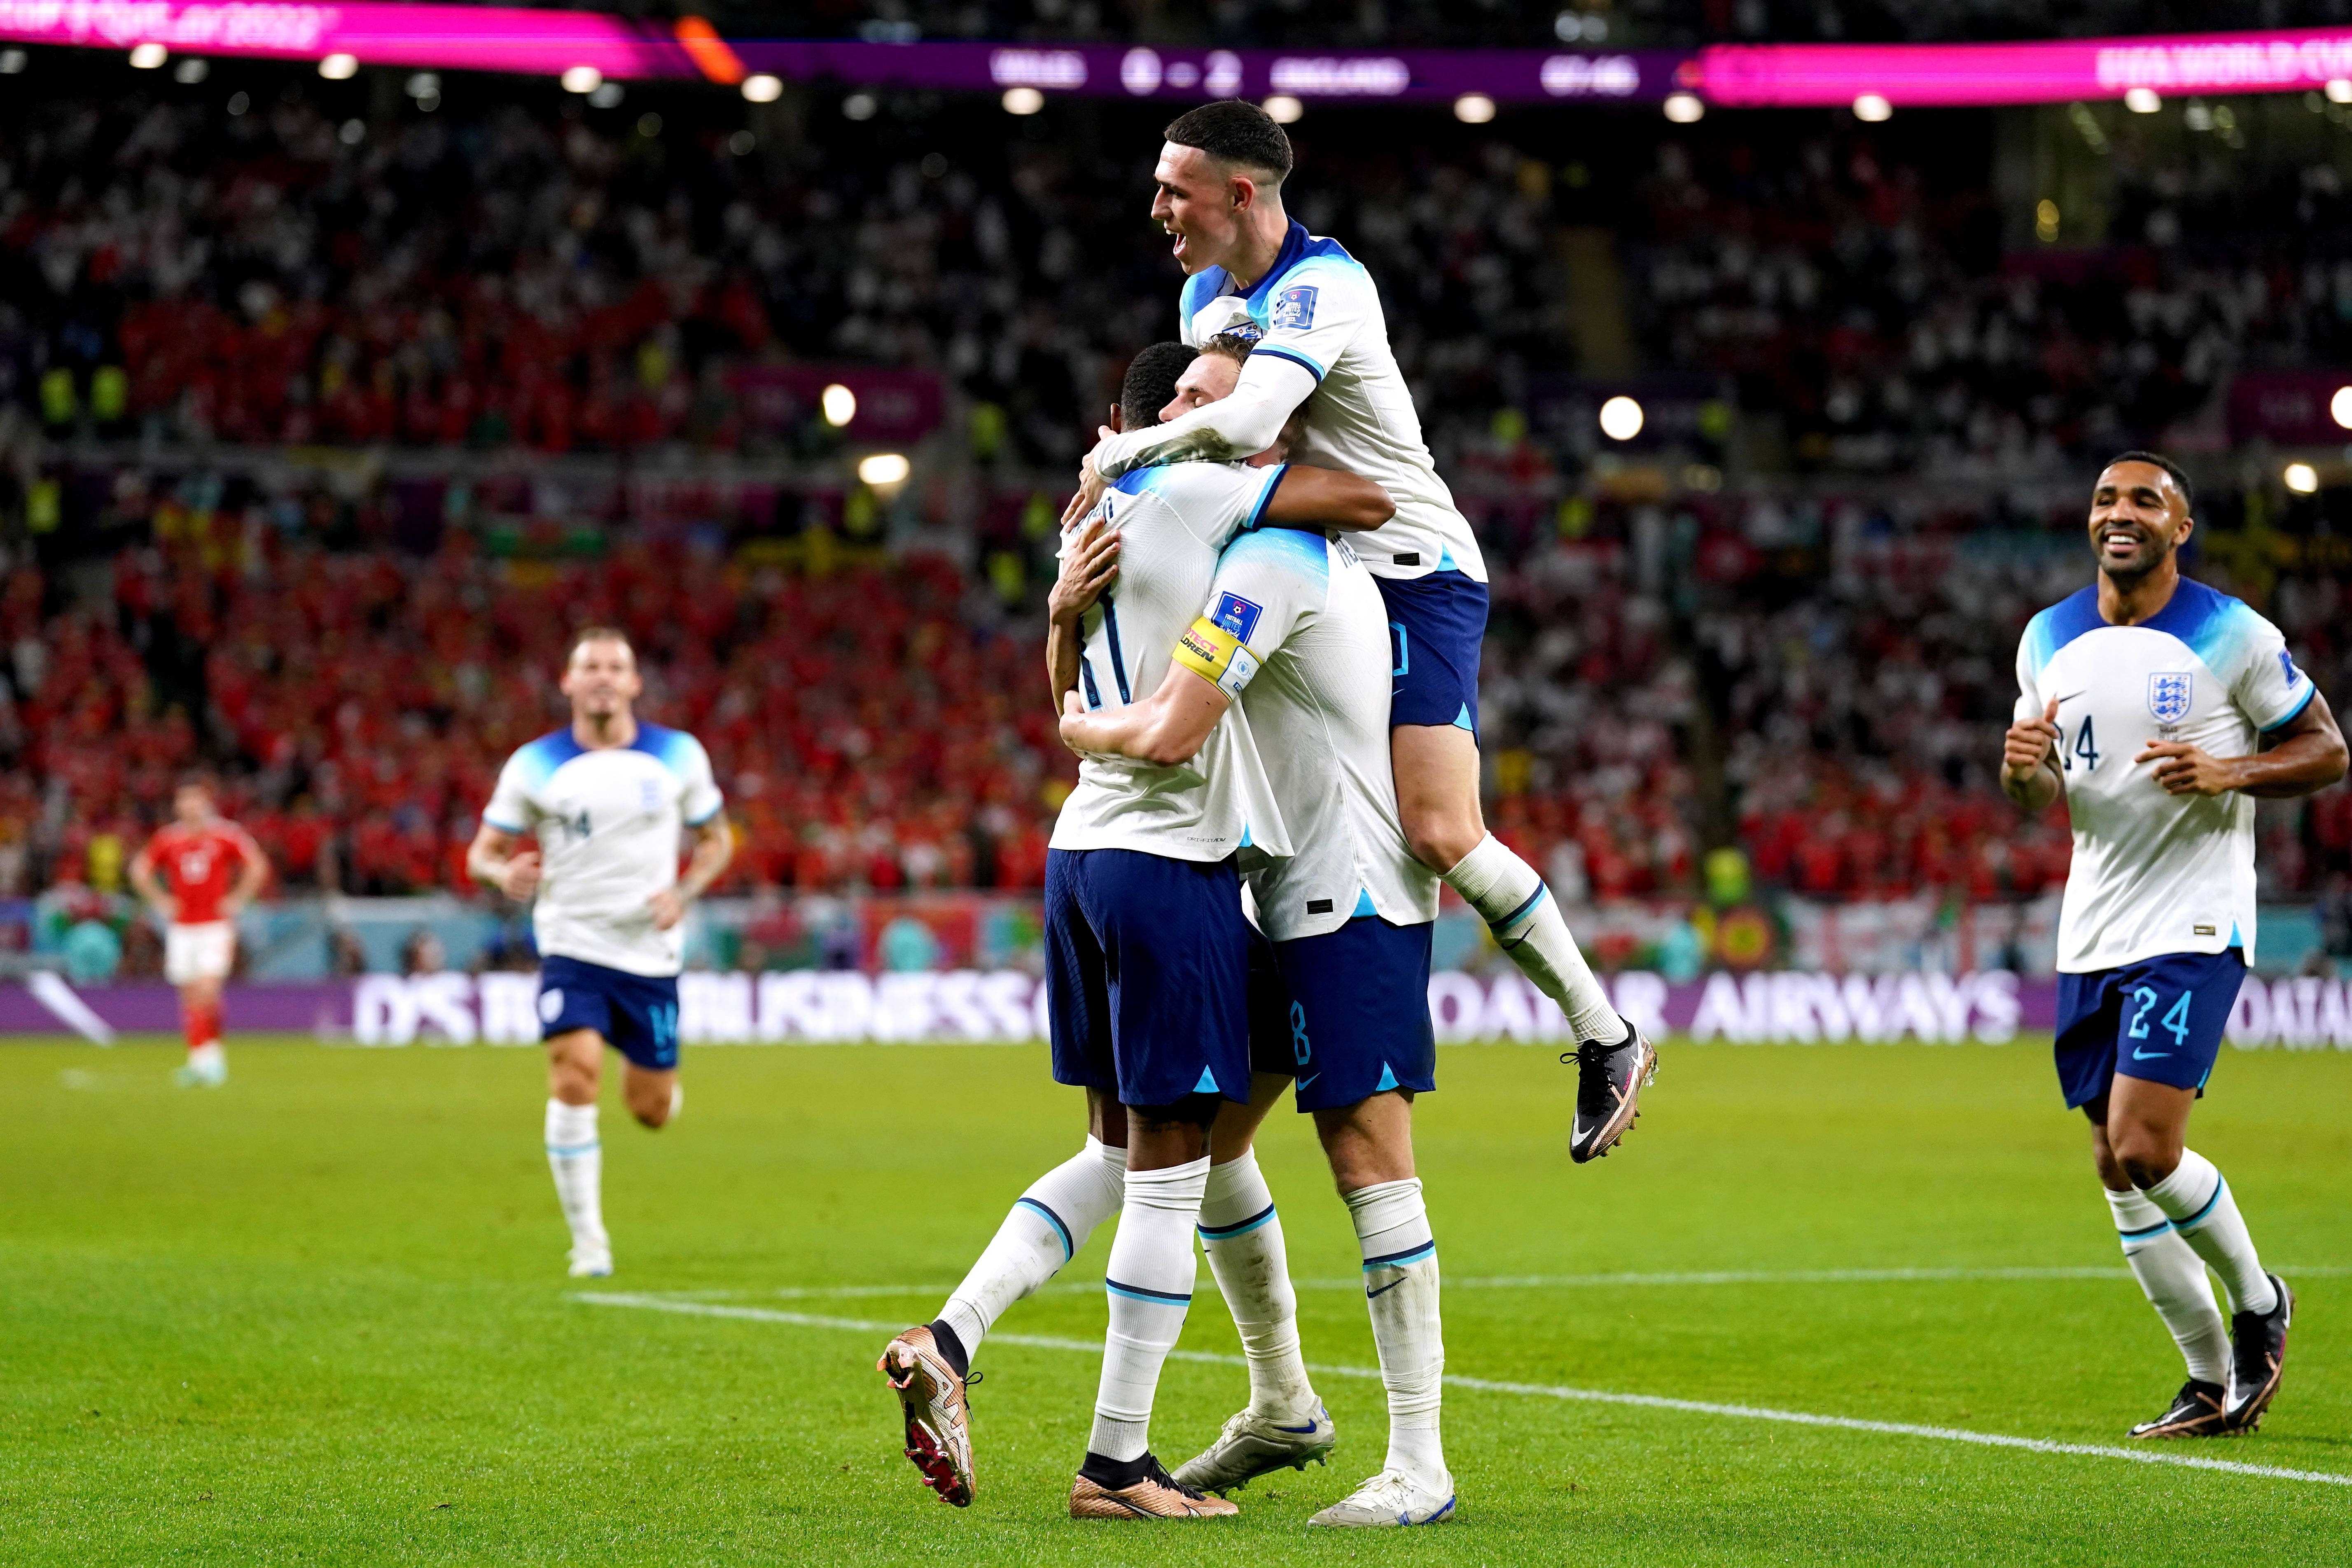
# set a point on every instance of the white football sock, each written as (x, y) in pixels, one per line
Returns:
(577, 1160)
(208, 1057)
(2197, 1201)
(1047, 1226)
(2173, 1278)
(1150, 1279)
(1242, 1237)
(1401, 1289)
(1527, 925)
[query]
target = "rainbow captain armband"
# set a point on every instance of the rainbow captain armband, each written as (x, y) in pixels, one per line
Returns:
(1216, 656)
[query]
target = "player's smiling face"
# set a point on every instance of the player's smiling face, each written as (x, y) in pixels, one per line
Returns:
(2138, 517)
(1196, 202)
(602, 679)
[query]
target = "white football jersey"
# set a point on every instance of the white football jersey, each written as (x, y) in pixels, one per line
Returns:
(1173, 522)
(608, 823)
(2156, 873)
(1317, 308)
(1297, 631)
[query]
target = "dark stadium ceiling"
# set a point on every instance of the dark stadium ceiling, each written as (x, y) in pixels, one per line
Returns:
(1358, 23)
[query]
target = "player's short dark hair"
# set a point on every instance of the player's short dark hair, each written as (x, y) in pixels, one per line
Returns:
(1234, 131)
(1230, 345)
(599, 634)
(197, 778)
(2157, 460)
(1150, 383)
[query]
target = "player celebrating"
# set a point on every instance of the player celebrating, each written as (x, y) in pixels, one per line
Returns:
(1323, 346)
(1145, 962)
(607, 799)
(2158, 709)
(194, 853)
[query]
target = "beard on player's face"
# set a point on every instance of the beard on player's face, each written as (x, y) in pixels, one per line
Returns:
(2129, 546)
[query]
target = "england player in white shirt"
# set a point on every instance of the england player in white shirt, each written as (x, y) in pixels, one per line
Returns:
(2160, 710)
(607, 798)
(1146, 966)
(1323, 346)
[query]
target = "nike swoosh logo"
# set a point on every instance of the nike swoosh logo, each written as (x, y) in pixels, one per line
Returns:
(1305, 1431)
(1383, 1289)
(1303, 1082)
(2141, 1056)
(2071, 696)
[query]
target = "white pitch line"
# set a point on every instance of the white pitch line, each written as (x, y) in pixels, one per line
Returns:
(1532, 1389)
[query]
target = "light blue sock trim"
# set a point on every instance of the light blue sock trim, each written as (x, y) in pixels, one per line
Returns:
(574, 1148)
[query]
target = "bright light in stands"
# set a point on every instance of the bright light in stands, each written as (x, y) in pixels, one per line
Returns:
(11, 61)
(608, 95)
(1621, 418)
(419, 83)
(2143, 101)
(2340, 90)
(1872, 107)
(859, 106)
(885, 469)
(763, 87)
(147, 56)
(238, 103)
(2302, 478)
(2339, 407)
(353, 133)
(1022, 101)
(741, 143)
(340, 68)
(582, 79)
(192, 71)
(1684, 107)
(1283, 109)
(1473, 109)
(839, 403)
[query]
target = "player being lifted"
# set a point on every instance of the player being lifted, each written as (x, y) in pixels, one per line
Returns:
(184, 871)
(2160, 710)
(1323, 346)
(1147, 959)
(1293, 631)
(607, 798)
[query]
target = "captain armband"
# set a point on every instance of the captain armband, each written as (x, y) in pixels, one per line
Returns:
(1216, 656)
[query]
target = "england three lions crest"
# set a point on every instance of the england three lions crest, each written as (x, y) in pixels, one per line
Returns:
(2171, 694)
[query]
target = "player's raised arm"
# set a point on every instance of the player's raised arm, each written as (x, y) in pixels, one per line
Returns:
(1233, 427)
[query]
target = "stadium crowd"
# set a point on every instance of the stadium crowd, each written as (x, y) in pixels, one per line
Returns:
(1821, 678)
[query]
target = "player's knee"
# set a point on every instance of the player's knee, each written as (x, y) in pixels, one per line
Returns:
(1439, 836)
(650, 1114)
(2144, 1156)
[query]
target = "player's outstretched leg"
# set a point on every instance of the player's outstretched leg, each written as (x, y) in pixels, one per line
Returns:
(928, 1366)
(576, 1157)
(1285, 1424)
(1150, 1279)
(1401, 1289)
(2197, 1201)
(2173, 1279)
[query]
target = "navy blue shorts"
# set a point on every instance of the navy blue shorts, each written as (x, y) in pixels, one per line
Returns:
(2160, 1019)
(1147, 965)
(636, 1014)
(1346, 1013)
(1437, 624)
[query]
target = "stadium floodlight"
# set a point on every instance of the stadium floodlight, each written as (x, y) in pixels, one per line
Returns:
(2143, 101)
(2302, 478)
(860, 106)
(885, 469)
(12, 61)
(1872, 108)
(352, 133)
(1473, 109)
(1621, 418)
(420, 83)
(1022, 101)
(1283, 109)
(1684, 107)
(581, 79)
(2340, 90)
(148, 56)
(608, 95)
(340, 68)
(761, 88)
(192, 71)
(2339, 407)
(839, 403)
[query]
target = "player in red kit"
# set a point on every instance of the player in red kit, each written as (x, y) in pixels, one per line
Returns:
(187, 872)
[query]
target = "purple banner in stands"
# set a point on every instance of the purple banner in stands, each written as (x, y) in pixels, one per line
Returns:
(1405, 76)
(2292, 407)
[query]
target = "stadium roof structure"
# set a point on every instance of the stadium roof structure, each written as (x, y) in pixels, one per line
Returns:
(551, 42)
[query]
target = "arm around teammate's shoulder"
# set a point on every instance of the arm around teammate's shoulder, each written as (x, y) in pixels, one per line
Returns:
(1312, 497)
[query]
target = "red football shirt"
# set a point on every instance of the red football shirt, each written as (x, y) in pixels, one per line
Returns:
(199, 865)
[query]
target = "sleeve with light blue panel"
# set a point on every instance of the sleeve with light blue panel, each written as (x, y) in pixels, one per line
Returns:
(1214, 500)
(1266, 584)
(514, 803)
(2268, 687)
(698, 798)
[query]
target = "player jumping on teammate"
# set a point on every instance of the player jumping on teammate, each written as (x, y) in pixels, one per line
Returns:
(1323, 346)
(2160, 710)
(184, 871)
(607, 798)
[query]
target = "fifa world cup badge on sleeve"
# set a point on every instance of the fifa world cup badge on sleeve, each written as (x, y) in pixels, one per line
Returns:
(2169, 694)
(1235, 615)
(1294, 309)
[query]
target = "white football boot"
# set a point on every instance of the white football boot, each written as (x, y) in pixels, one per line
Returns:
(1252, 1445)
(1391, 1498)
(592, 1262)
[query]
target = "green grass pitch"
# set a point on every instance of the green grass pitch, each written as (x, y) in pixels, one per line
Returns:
(321, 1316)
